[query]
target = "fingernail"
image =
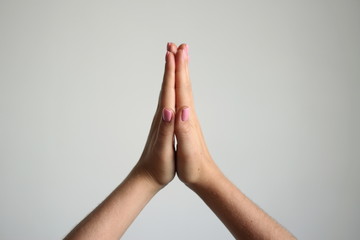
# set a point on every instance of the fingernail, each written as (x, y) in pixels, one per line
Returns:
(166, 115)
(168, 46)
(185, 114)
(166, 55)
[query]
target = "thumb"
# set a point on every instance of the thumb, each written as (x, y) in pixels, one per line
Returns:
(166, 129)
(183, 126)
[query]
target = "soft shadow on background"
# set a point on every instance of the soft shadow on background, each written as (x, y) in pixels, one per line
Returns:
(277, 91)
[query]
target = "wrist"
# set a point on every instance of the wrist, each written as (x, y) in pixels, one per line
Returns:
(215, 185)
(141, 175)
(211, 176)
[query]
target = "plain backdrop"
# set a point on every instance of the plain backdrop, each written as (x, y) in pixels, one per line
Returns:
(277, 91)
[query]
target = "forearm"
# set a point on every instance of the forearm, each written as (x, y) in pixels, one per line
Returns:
(239, 214)
(115, 214)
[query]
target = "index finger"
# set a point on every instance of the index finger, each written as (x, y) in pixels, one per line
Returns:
(182, 80)
(167, 96)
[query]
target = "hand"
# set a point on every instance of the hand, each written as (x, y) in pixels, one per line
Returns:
(158, 158)
(194, 164)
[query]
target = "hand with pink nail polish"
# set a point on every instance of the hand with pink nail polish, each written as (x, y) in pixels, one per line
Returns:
(154, 170)
(158, 157)
(194, 163)
(196, 168)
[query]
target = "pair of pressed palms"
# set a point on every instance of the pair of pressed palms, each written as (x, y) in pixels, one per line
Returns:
(175, 116)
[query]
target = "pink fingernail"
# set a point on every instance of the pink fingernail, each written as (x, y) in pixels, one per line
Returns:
(168, 46)
(185, 114)
(166, 115)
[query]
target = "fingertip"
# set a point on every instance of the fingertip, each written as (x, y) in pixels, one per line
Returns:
(167, 115)
(187, 52)
(185, 114)
(171, 47)
(166, 129)
(182, 46)
(180, 55)
(170, 61)
(183, 124)
(167, 56)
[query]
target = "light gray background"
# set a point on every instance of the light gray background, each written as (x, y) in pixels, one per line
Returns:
(276, 85)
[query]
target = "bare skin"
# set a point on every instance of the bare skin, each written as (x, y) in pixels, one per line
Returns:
(176, 117)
